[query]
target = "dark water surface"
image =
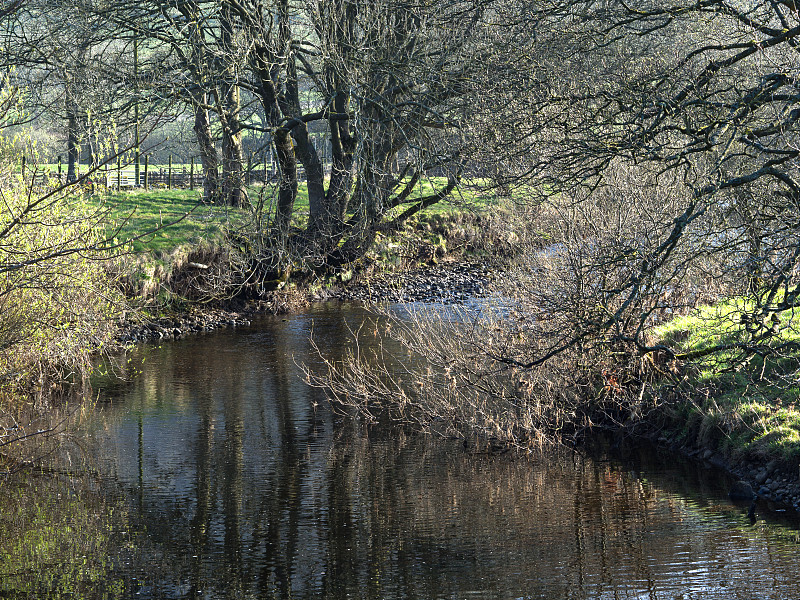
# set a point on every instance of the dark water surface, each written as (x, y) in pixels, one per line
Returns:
(220, 474)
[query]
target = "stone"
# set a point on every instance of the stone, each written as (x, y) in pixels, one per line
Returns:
(719, 461)
(741, 490)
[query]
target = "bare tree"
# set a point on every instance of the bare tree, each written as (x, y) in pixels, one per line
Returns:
(76, 69)
(668, 162)
(391, 87)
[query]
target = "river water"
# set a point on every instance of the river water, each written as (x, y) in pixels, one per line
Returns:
(215, 472)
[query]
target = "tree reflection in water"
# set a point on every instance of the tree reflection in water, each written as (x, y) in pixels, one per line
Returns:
(242, 484)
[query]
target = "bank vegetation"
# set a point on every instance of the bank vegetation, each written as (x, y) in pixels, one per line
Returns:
(555, 353)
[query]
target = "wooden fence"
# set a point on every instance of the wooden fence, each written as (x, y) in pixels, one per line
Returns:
(162, 178)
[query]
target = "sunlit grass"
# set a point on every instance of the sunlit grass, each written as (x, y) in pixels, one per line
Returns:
(752, 404)
(158, 221)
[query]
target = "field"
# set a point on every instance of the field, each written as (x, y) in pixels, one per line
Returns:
(158, 221)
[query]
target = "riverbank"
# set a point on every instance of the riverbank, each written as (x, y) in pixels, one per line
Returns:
(180, 283)
(450, 282)
(771, 480)
(769, 484)
(732, 399)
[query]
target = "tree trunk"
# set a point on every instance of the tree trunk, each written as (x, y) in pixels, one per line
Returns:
(73, 148)
(232, 155)
(270, 61)
(291, 108)
(343, 146)
(315, 176)
(208, 153)
(287, 186)
(230, 101)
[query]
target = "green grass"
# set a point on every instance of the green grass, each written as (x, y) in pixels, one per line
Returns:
(177, 217)
(746, 408)
(160, 221)
(470, 195)
(162, 229)
(705, 328)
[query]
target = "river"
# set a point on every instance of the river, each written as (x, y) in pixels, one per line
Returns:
(212, 471)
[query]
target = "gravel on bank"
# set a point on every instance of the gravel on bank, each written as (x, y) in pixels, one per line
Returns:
(167, 328)
(450, 283)
(454, 283)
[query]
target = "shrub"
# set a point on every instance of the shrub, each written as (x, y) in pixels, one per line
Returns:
(58, 303)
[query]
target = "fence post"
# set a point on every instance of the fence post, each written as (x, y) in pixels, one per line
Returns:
(146, 180)
(59, 169)
(24, 160)
(265, 168)
(169, 173)
(119, 174)
(191, 173)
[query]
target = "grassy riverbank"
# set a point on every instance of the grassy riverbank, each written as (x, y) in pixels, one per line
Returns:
(742, 406)
(163, 231)
(176, 218)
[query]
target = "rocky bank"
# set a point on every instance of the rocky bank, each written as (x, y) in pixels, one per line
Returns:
(451, 283)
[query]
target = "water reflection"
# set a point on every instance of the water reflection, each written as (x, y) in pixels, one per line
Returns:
(240, 483)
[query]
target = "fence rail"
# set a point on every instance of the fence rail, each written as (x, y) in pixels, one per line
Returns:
(257, 168)
(125, 178)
